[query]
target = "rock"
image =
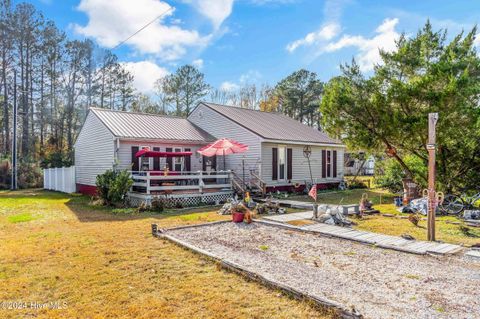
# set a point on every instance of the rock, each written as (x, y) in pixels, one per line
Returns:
(471, 214)
(226, 209)
(407, 237)
(329, 221)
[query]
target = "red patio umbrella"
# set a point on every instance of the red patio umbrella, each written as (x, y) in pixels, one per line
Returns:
(223, 147)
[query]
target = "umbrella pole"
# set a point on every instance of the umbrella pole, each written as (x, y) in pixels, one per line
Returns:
(224, 165)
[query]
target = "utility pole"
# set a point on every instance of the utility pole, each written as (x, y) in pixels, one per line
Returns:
(14, 141)
(432, 196)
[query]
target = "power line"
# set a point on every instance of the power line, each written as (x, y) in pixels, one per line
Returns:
(142, 28)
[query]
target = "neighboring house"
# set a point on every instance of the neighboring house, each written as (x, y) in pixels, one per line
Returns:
(359, 165)
(111, 138)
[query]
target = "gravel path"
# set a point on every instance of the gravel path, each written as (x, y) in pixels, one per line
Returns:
(379, 283)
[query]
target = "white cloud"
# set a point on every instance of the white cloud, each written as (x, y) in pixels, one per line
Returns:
(251, 76)
(215, 10)
(332, 11)
(198, 63)
(111, 22)
(325, 33)
(368, 48)
(229, 86)
(145, 74)
(247, 78)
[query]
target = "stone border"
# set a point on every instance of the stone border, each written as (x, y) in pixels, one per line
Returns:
(338, 310)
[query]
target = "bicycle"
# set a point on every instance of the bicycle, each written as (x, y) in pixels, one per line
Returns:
(454, 205)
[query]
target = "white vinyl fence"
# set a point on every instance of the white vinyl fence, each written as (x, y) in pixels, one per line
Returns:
(60, 179)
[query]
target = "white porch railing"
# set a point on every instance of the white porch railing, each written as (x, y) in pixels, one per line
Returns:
(60, 179)
(155, 181)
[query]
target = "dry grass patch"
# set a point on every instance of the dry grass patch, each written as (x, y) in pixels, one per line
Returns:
(108, 265)
(301, 222)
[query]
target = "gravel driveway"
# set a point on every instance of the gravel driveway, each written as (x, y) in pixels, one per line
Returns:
(378, 283)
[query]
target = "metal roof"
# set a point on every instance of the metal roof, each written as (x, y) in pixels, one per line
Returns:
(150, 126)
(272, 125)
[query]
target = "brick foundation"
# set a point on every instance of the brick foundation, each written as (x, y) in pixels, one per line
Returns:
(86, 189)
(300, 188)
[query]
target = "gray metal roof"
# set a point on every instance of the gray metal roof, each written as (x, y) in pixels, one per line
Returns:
(150, 126)
(272, 125)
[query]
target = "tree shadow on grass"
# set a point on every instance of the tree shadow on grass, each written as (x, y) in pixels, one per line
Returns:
(81, 206)
(87, 212)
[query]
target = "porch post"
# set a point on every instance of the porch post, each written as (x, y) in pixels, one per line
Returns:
(200, 182)
(148, 183)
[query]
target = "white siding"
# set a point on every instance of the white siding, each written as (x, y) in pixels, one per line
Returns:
(300, 164)
(220, 127)
(94, 151)
(124, 153)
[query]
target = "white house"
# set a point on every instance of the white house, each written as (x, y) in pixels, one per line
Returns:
(274, 161)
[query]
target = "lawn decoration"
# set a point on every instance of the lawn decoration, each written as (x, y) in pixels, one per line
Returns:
(270, 207)
(238, 213)
(366, 206)
(414, 219)
(307, 152)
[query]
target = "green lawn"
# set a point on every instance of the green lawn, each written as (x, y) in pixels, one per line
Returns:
(58, 248)
(377, 196)
(383, 201)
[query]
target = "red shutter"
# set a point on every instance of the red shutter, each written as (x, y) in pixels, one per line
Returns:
(334, 164)
(289, 164)
(135, 166)
(274, 163)
(329, 163)
(188, 161)
(156, 160)
(324, 164)
(169, 159)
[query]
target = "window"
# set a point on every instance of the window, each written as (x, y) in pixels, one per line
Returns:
(145, 162)
(178, 161)
(329, 163)
(281, 162)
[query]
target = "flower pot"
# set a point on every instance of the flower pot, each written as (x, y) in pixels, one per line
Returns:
(238, 217)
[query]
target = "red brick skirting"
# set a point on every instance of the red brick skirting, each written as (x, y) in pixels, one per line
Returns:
(300, 188)
(86, 189)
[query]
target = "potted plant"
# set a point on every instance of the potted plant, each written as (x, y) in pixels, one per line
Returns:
(238, 213)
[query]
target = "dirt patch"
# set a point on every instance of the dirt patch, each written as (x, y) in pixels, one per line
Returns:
(378, 283)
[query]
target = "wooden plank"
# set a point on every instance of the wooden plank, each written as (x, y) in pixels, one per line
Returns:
(388, 241)
(439, 248)
(379, 238)
(400, 242)
(419, 246)
(446, 249)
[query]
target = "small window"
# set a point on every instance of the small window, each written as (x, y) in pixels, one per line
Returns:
(178, 161)
(281, 162)
(329, 163)
(145, 162)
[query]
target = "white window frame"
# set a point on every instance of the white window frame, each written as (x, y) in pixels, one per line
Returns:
(150, 159)
(174, 160)
(327, 171)
(284, 163)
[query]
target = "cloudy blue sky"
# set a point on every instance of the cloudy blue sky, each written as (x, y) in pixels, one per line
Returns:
(252, 41)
